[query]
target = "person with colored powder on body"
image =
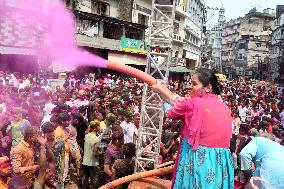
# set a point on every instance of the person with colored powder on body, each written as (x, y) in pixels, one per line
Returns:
(204, 159)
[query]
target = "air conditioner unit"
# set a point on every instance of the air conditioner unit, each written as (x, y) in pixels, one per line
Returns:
(181, 62)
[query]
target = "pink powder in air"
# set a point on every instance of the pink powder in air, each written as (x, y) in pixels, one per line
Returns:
(53, 28)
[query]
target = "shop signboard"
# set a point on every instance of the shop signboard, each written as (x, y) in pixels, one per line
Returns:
(133, 45)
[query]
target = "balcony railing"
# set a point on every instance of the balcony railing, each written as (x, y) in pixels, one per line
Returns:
(178, 38)
(178, 62)
(98, 42)
(181, 10)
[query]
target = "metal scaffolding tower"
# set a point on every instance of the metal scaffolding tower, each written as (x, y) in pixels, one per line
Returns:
(159, 58)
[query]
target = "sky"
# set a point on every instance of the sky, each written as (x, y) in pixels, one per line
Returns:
(236, 8)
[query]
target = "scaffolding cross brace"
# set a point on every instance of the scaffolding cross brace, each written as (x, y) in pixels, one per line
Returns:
(159, 58)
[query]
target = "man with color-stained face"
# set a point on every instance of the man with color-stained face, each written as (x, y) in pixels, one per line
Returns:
(129, 129)
(92, 152)
(82, 101)
(18, 124)
(23, 154)
(54, 168)
(61, 133)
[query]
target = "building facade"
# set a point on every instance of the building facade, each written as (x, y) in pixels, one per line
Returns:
(17, 45)
(114, 30)
(230, 37)
(111, 28)
(187, 38)
(245, 45)
(276, 50)
(214, 43)
(105, 27)
(134, 24)
(194, 33)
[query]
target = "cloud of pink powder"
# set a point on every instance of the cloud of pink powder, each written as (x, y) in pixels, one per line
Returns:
(53, 27)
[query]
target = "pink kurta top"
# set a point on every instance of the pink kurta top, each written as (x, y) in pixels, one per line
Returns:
(207, 121)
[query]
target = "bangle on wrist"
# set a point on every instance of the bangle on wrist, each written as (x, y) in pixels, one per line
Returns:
(174, 98)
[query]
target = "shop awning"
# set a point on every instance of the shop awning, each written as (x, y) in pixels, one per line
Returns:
(127, 58)
(16, 50)
(177, 69)
(180, 69)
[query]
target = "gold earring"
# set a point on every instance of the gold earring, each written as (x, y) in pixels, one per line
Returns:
(207, 90)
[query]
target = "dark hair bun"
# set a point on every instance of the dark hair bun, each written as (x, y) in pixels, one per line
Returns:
(207, 77)
(217, 89)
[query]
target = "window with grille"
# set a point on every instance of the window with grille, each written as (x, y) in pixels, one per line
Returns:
(143, 19)
(241, 56)
(88, 27)
(133, 33)
(112, 31)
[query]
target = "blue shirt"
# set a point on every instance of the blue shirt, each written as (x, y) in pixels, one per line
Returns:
(268, 157)
(166, 107)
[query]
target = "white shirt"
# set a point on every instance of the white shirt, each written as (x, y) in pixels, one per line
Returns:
(69, 103)
(46, 88)
(46, 119)
(129, 129)
(236, 125)
(79, 103)
(26, 83)
(3, 80)
(21, 86)
(243, 111)
(48, 108)
(97, 83)
(91, 142)
(3, 107)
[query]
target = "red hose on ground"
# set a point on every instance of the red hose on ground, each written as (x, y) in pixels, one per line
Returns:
(136, 176)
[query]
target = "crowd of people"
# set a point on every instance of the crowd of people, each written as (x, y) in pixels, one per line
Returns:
(258, 130)
(86, 130)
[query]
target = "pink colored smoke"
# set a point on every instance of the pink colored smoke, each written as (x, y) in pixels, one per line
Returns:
(52, 28)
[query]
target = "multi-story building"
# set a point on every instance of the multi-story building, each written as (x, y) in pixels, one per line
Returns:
(193, 32)
(230, 37)
(245, 44)
(16, 44)
(110, 25)
(276, 50)
(117, 30)
(214, 43)
(188, 24)
(112, 28)
(187, 33)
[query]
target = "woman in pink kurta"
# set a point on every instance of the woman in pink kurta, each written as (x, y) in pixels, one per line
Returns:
(204, 159)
